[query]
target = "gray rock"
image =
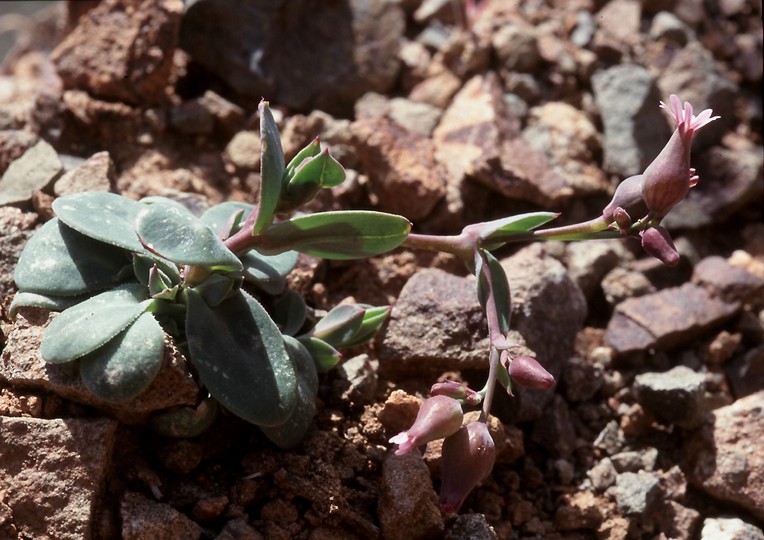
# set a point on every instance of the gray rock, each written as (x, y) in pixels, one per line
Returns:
(408, 506)
(666, 319)
(723, 459)
(420, 118)
(746, 372)
(470, 527)
(254, 48)
(629, 461)
(516, 48)
(636, 494)
(621, 283)
(729, 528)
(676, 521)
(611, 439)
(635, 129)
(97, 173)
(733, 283)
(554, 430)
(357, 380)
(602, 475)
(33, 171)
(581, 379)
(588, 262)
(667, 26)
(674, 396)
(13, 143)
(583, 32)
(53, 473)
(143, 518)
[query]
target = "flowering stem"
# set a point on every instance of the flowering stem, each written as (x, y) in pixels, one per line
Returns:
(455, 244)
(494, 334)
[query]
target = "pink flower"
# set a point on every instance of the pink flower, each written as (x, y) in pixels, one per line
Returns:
(438, 417)
(669, 177)
(468, 457)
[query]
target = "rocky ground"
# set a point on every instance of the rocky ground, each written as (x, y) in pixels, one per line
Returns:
(655, 427)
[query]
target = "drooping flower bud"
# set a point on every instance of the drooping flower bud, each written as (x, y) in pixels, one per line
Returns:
(456, 390)
(468, 457)
(657, 242)
(526, 371)
(438, 417)
(668, 178)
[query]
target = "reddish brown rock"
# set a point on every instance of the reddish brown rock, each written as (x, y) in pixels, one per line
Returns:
(97, 173)
(143, 518)
(724, 457)
(52, 473)
(16, 227)
(730, 282)
(122, 50)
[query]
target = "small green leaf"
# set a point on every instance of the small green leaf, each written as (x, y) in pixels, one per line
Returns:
(217, 288)
(59, 261)
(312, 174)
(241, 358)
(337, 235)
(42, 301)
(175, 234)
(292, 432)
(339, 325)
(373, 319)
(102, 216)
(289, 312)
(495, 233)
(268, 271)
(144, 262)
(324, 355)
(226, 218)
(312, 149)
(498, 281)
(271, 168)
(83, 328)
(126, 365)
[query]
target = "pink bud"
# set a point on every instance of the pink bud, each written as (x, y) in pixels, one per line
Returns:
(657, 242)
(526, 371)
(668, 178)
(438, 417)
(456, 390)
(627, 197)
(468, 457)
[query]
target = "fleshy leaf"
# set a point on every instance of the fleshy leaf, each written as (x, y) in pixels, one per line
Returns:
(59, 261)
(337, 235)
(289, 312)
(42, 301)
(502, 299)
(312, 149)
(291, 433)
(271, 168)
(306, 181)
(268, 271)
(241, 358)
(219, 217)
(144, 262)
(495, 233)
(126, 365)
(83, 328)
(324, 355)
(216, 288)
(339, 325)
(102, 216)
(174, 233)
(373, 319)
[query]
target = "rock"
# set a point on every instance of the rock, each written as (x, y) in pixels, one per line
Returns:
(728, 281)
(228, 116)
(408, 505)
(588, 262)
(419, 118)
(404, 175)
(554, 429)
(693, 75)
(437, 89)
(581, 510)
(243, 150)
(53, 473)
(621, 283)
(582, 378)
(666, 319)
(629, 461)
(729, 528)
(97, 173)
(238, 529)
(637, 494)
(730, 179)
(399, 412)
(723, 459)
(144, 519)
(22, 365)
(33, 171)
(515, 47)
(13, 144)
(618, 28)
(677, 521)
(469, 527)
(667, 26)
(746, 372)
(635, 128)
(256, 50)
(122, 50)
(192, 118)
(611, 439)
(674, 396)
(16, 227)
(356, 382)
(571, 143)
(602, 475)
(436, 325)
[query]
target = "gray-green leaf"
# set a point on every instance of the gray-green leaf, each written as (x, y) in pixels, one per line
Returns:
(272, 168)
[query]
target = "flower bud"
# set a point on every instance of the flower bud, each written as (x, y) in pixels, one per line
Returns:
(657, 242)
(438, 417)
(456, 390)
(526, 371)
(468, 457)
(628, 197)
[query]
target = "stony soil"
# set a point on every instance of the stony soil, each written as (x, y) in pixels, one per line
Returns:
(655, 427)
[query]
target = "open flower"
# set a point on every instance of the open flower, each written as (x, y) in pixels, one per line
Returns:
(669, 177)
(438, 417)
(468, 457)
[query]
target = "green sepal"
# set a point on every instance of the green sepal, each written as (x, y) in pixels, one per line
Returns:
(241, 358)
(324, 355)
(172, 232)
(337, 235)
(292, 432)
(340, 325)
(271, 168)
(59, 261)
(103, 216)
(85, 327)
(500, 285)
(289, 312)
(127, 364)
